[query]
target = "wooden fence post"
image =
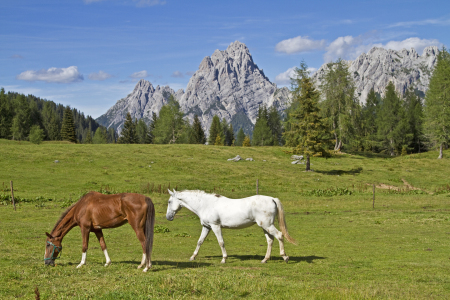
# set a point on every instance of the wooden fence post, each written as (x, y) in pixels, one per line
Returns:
(373, 197)
(12, 195)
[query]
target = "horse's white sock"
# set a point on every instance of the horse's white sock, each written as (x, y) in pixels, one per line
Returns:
(108, 260)
(83, 260)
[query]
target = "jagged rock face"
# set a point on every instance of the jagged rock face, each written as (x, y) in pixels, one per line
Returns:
(230, 85)
(141, 103)
(380, 66)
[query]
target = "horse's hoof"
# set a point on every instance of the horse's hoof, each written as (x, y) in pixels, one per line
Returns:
(140, 266)
(107, 264)
(286, 259)
(79, 266)
(223, 261)
(192, 258)
(145, 270)
(263, 261)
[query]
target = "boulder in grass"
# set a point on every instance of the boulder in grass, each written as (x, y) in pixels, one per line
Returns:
(298, 162)
(250, 159)
(297, 157)
(237, 158)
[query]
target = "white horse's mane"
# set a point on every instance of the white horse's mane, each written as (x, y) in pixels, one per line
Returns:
(200, 192)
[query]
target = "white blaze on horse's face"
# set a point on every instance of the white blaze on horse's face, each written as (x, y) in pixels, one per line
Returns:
(173, 206)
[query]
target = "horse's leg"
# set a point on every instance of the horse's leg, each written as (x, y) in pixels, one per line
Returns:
(101, 240)
(269, 239)
(141, 237)
(218, 232)
(203, 235)
(85, 236)
(279, 236)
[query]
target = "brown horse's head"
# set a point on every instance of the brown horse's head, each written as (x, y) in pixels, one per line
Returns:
(52, 249)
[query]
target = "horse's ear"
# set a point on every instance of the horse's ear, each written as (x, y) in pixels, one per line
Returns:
(171, 194)
(49, 235)
(174, 191)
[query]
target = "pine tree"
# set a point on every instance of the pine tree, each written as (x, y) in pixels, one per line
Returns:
(36, 134)
(88, 136)
(246, 142)
(240, 137)
(197, 131)
(6, 115)
(170, 128)
(100, 136)
(340, 104)
(151, 128)
(218, 141)
(305, 129)
(226, 135)
(51, 122)
(68, 126)
(437, 102)
(111, 136)
(214, 130)
(142, 132)
(230, 134)
(370, 113)
(392, 124)
(128, 134)
(414, 115)
(274, 122)
(262, 135)
(21, 121)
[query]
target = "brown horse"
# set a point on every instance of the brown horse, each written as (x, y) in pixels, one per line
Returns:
(96, 211)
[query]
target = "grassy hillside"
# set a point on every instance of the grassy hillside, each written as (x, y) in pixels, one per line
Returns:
(346, 248)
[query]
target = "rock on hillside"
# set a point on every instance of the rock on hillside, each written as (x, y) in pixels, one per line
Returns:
(380, 66)
(229, 84)
(141, 103)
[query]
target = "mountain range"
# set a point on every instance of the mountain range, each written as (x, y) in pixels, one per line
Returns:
(229, 84)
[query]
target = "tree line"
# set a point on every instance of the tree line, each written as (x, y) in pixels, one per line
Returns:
(35, 119)
(331, 118)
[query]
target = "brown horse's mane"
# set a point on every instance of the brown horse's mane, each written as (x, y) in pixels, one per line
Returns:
(66, 212)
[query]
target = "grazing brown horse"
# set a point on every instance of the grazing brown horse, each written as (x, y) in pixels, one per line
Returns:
(96, 211)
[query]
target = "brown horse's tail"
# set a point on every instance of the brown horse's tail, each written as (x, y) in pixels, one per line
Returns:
(282, 222)
(149, 228)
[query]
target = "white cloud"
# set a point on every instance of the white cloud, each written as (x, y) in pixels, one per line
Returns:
(16, 56)
(442, 22)
(99, 76)
(140, 74)
(142, 3)
(299, 44)
(349, 47)
(285, 77)
(189, 73)
(59, 75)
(177, 74)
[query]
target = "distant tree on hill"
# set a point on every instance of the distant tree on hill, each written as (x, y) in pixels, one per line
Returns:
(246, 142)
(88, 138)
(413, 108)
(6, 115)
(306, 131)
(142, 132)
(128, 134)
(437, 103)
(100, 136)
(214, 130)
(151, 128)
(197, 132)
(262, 135)
(240, 137)
(370, 113)
(170, 127)
(36, 134)
(276, 128)
(21, 122)
(68, 126)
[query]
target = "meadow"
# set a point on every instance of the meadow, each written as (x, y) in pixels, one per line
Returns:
(347, 249)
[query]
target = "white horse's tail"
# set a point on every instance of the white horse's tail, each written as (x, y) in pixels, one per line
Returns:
(282, 222)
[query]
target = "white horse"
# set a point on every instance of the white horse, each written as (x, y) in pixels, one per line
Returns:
(217, 211)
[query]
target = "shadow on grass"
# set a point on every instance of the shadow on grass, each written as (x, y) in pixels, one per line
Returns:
(341, 172)
(297, 259)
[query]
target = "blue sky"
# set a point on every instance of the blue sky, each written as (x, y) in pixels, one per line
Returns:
(88, 53)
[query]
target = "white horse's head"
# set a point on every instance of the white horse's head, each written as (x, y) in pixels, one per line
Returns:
(173, 206)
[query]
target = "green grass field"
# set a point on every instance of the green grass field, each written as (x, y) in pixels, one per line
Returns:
(347, 250)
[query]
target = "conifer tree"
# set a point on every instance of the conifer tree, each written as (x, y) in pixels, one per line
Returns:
(36, 134)
(51, 122)
(262, 135)
(68, 126)
(240, 137)
(111, 136)
(391, 121)
(340, 104)
(21, 121)
(274, 122)
(197, 131)
(246, 142)
(6, 115)
(214, 130)
(437, 102)
(218, 141)
(151, 128)
(306, 131)
(370, 113)
(142, 132)
(100, 136)
(170, 127)
(128, 134)
(414, 116)
(88, 136)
